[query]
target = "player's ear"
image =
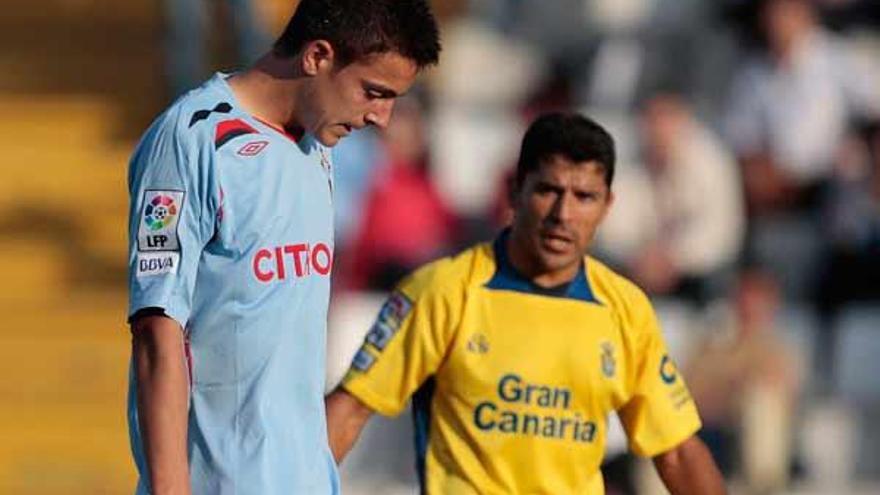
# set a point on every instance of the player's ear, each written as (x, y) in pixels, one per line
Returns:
(317, 56)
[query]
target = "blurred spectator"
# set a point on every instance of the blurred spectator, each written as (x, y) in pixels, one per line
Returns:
(552, 27)
(845, 14)
(475, 125)
(404, 222)
(790, 108)
(692, 33)
(851, 230)
(746, 381)
(680, 224)
(188, 25)
(852, 223)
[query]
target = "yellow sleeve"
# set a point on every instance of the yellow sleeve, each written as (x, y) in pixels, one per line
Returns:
(660, 413)
(407, 343)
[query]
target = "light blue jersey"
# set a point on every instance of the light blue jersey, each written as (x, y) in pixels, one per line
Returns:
(231, 235)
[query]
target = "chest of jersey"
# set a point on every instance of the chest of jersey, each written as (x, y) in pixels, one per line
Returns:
(272, 249)
(537, 367)
(276, 211)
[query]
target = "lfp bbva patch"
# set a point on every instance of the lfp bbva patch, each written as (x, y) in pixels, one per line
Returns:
(363, 360)
(160, 216)
(156, 263)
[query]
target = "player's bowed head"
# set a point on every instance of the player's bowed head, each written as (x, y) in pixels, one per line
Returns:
(339, 65)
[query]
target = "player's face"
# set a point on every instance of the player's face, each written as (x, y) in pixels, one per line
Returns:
(358, 94)
(556, 212)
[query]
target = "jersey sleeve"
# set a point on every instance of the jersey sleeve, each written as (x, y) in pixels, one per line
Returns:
(660, 413)
(171, 219)
(406, 345)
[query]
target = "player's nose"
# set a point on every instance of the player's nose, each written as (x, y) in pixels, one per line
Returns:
(561, 210)
(380, 114)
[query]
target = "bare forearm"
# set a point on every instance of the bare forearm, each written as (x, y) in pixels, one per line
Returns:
(346, 417)
(690, 470)
(162, 399)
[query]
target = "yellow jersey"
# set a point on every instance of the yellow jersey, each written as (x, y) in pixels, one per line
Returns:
(512, 383)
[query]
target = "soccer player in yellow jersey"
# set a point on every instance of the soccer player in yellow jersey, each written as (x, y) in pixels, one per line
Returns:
(514, 352)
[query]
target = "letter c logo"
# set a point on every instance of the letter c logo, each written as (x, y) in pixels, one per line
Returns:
(667, 370)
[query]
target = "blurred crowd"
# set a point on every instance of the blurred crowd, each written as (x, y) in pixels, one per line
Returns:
(747, 194)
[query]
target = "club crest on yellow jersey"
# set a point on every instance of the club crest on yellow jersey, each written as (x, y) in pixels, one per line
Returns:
(609, 365)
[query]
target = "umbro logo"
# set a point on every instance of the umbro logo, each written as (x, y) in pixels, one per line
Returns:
(253, 148)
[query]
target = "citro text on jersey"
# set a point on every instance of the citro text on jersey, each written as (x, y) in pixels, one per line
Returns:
(292, 261)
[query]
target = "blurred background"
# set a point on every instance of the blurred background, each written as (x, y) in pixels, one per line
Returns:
(748, 206)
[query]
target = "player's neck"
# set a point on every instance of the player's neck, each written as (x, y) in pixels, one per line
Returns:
(268, 90)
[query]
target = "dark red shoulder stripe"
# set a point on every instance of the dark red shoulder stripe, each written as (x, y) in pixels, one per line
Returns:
(229, 129)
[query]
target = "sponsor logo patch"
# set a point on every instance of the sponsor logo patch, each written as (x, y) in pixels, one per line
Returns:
(253, 148)
(390, 317)
(363, 360)
(380, 335)
(156, 263)
(395, 310)
(158, 223)
(292, 261)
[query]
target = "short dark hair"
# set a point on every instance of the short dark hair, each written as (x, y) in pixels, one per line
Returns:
(570, 135)
(358, 28)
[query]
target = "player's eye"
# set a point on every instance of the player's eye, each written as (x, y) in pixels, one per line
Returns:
(373, 93)
(544, 189)
(586, 197)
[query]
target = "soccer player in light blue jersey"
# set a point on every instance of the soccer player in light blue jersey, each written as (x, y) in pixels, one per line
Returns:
(231, 249)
